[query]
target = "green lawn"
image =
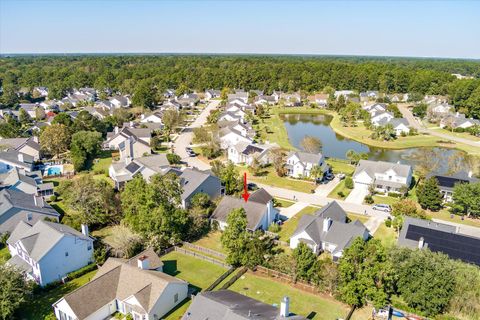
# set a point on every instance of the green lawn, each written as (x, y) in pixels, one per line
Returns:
(40, 306)
(385, 199)
(288, 228)
(340, 187)
(444, 214)
(4, 255)
(179, 311)
(387, 236)
(341, 167)
(464, 135)
(309, 305)
(282, 203)
(197, 272)
(354, 216)
(102, 163)
(211, 241)
(270, 177)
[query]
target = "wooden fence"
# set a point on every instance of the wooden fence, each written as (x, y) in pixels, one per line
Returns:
(205, 250)
(232, 280)
(202, 257)
(286, 278)
(220, 279)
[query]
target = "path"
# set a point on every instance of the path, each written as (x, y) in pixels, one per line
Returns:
(295, 208)
(184, 139)
(357, 195)
(413, 122)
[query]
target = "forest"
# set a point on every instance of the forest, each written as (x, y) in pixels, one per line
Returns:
(150, 75)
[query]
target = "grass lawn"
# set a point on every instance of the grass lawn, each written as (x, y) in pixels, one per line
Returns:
(387, 236)
(309, 305)
(288, 228)
(444, 214)
(179, 311)
(197, 272)
(40, 306)
(281, 203)
(385, 199)
(4, 255)
(340, 187)
(341, 167)
(102, 163)
(464, 135)
(211, 241)
(269, 176)
(354, 216)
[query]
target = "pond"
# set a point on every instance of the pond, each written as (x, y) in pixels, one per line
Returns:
(336, 146)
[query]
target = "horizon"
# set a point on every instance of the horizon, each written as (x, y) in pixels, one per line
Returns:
(396, 28)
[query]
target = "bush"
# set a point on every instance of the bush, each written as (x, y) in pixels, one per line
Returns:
(394, 194)
(80, 272)
(341, 194)
(368, 199)
(349, 182)
(53, 198)
(275, 228)
(388, 223)
(173, 158)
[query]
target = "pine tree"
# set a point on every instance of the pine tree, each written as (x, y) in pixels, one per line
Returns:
(429, 196)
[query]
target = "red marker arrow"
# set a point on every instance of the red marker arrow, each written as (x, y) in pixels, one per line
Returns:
(245, 193)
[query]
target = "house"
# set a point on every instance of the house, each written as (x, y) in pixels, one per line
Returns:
(244, 128)
(439, 237)
(230, 305)
(320, 99)
(299, 164)
(188, 99)
(136, 287)
(27, 182)
(244, 152)
(106, 105)
(47, 251)
(212, 94)
(230, 137)
(119, 101)
(400, 125)
(375, 107)
(29, 146)
(258, 209)
(241, 96)
(130, 141)
(41, 91)
(398, 97)
(16, 206)
(265, 99)
(124, 170)
(155, 117)
(238, 116)
(369, 95)
(171, 104)
(447, 183)
(385, 176)
(194, 181)
(98, 113)
(11, 158)
(458, 120)
(377, 117)
(441, 109)
(435, 99)
(169, 93)
(344, 93)
(328, 230)
(290, 99)
(30, 109)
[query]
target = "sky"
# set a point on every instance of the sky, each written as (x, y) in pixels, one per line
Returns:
(378, 28)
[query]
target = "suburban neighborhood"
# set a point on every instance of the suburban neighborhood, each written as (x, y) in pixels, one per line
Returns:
(191, 186)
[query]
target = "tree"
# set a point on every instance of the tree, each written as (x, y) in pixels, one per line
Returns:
(278, 160)
(144, 95)
(327, 279)
(386, 133)
(171, 120)
(407, 207)
(466, 299)
(365, 274)
(316, 173)
(39, 113)
(255, 165)
(425, 279)
(355, 157)
(173, 158)
(466, 199)
(14, 290)
(235, 236)
(86, 122)
(305, 261)
(63, 118)
(55, 139)
(90, 201)
(231, 179)
(420, 110)
(85, 146)
(429, 195)
(23, 117)
(311, 144)
(349, 182)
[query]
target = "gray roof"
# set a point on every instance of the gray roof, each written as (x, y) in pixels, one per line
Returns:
(254, 208)
(407, 221)
(306, 157)
(339, 233)
(230, 305)
(17, 143)
(40, 238)
(372, 167)
(192, 179)
(22, 265)
(13, 157)
(395, 122)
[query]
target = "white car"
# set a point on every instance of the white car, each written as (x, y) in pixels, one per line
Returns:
(382, 207)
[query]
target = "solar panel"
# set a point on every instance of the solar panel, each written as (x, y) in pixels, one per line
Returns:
(455, 245)
(449, 182)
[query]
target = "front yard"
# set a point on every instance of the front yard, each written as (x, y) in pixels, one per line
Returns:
(270, 177)
(40, 306)
(199, 273)
(4, 255)
(288, 228)
(342, 189)
(312, 306)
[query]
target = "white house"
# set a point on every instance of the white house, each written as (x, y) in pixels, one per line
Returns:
(155, 117)
(400, 125)
(258, 209)
(120, 101)
(212, 94)
(137, 287)
(385, 176)
(131, 142)
(230, 137)
(48, 251)
(11, 158)
(245, 153)
(378, 116)
(328, 230)
(299, 164)
(458, 120)
(29, 146)
(344, 93)
(320, 99)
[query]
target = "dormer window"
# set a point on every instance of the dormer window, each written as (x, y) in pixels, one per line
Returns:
(29, 216)
(66, 253)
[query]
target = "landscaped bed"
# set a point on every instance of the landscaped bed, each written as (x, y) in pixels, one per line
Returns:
(309, 305)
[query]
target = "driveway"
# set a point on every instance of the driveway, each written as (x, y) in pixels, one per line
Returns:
(293, 209)
(325, 189)
(184, 139)
(357, 195)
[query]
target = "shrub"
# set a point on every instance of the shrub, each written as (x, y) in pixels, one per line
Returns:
(80, 272)
(349, 182)
(341, 194)
(388, 223)
(394, 194)
(53, 198)
(275, 228)
(368, 199)
(173, 158)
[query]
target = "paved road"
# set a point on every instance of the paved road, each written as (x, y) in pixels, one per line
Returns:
(407, 114)
(325, 189)
(184, 139)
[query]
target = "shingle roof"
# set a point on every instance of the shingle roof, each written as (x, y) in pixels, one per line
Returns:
(191, 179)
(307, 157)
(372, 167)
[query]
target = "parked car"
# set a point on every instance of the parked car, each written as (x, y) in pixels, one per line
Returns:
(252, 186)
(341, 176)
(190, 152)
(382, 207)
(329, 176)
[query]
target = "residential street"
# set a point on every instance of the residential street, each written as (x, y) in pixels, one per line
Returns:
(185, 137)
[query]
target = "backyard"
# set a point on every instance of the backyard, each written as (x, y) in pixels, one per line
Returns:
(211, 241)
(318, 307)
(386, 235)
(288, 228)
(40, 306)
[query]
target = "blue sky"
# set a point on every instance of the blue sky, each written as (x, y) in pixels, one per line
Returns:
(396, 28)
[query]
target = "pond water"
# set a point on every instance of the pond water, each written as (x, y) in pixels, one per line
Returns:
(336, 146)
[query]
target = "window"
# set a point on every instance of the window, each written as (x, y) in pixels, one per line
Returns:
(29, 216)
(175, 298)
(66, 253)
(89, 247)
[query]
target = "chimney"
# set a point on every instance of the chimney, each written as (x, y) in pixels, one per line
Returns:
(85, 230)
(131, 124)
(38, 201)
(326, 224)
(143, 263)
(470, 173)
(421, 243)
(20, 157)
(116, 129)
(285, 307)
